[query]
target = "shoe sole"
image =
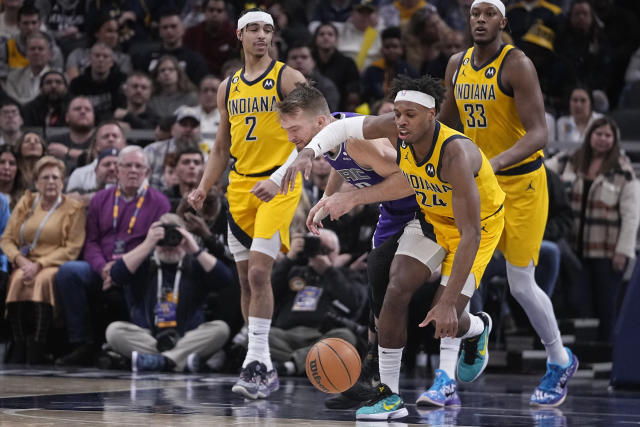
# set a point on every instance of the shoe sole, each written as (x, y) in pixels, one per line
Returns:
(425, 401)
(262, 395)
(238, 389)
(400, 413)
(486, 358)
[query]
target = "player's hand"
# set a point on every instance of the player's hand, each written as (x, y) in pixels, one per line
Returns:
(619, 262)
(265, 190)
(444, 318)
(196, 198)
(315, 217)
(302, 163)
(338, 204)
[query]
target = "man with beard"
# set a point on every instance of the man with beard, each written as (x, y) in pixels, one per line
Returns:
(215, 37)
(72, 147)
(48, 109)
(167, 278)
(185, 132)
(118, 220)
(188, 169)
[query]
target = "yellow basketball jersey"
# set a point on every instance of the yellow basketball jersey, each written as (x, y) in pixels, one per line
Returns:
(259, 145)
(434, 195)
(15, 58)
(487, 110)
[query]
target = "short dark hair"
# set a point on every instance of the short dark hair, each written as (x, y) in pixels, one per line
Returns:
(10, 101)
(325, 24)
(304, 97)
(28, 9)
(188, 149)
(391, 33)
(168, 12)
(425, 84)
(300, 44)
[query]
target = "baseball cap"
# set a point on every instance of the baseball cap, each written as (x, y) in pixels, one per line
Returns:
(106, 153)
(365, 4)
(185, 111)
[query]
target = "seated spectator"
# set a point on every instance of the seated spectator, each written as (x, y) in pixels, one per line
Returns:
(11, 184)
(115, 226)
(398, 13)
(299, 57)
(23, 84)
(169, 177)
(106, 32)
(331, 63)
(10, 122)
(331, 11)
(45, 230)
(208, 110)
(171, 87)
(108, 135)
(307, 283)
(106, 175)
(72, 147)
(381, 107)
(9, 18)
(185, 132)
(290, 19)
(189, 165)
(572, 128)
(171, 33)
(363, 20)
(137, 114)
(376, 79)
(452, 42)
(153, 275)
(29, 150)
(101, 82)
(65, 21)
(423, 38)
(49, 107)
(215, 37)
(13, 51)
(604, 197)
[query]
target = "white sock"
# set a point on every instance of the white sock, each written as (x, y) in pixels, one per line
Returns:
(389, 361)
(476, 326)
(449, 348)
(537, 305)
(258, 348)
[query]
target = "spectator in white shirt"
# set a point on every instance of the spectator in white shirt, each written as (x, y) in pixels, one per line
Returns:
(23, 84)
(572, 128)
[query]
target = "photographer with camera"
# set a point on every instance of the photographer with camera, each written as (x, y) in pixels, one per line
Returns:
(316, 297)
(166, 279)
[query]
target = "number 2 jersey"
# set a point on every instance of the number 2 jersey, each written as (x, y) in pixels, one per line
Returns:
(487, 109)
(434, 195)
(259, 145)
(394, 214)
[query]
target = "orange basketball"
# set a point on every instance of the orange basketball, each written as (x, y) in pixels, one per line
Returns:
(333, 365)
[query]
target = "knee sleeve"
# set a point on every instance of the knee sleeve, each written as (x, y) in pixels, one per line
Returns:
(522, 282)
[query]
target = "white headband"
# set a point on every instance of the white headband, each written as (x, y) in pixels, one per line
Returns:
(255, 16)
(497, 3)
(417, 97)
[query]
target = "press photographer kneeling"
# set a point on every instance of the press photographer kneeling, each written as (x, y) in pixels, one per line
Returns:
(166, 279)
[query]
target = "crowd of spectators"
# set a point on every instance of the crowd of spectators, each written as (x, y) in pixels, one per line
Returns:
(85, 206)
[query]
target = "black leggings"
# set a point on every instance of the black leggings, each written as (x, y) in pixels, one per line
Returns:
(378, 266)
(30, 318)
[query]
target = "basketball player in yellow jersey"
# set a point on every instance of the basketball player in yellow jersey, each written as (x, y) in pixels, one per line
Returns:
(493, 90)
(250, 133)
(460, 226)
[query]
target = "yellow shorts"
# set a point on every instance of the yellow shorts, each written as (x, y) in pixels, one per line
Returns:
(448, 236)
(526, 206)
(251, 218)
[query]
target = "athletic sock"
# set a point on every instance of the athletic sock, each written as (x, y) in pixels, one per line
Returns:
(556, 353)
(476, 327)
(449, 348)
(389, 360)
(258, 346)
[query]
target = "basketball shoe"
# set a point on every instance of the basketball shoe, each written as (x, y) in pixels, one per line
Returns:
(475, 353)
(386, 405)
(443, 392)
(251, 376)
(268, 383)
(553, 388)
(147, 362)
(364, 389)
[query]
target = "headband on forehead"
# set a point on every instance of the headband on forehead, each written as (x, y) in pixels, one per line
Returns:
(255, 16)
(417, 97)
(497, 3)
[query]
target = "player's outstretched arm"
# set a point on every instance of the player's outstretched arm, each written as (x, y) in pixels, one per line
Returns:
(520, 75)
(449, 110)
(219, 155)
(361, 127)
(461, 160)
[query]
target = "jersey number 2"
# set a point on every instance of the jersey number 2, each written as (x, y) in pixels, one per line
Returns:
(251, 122)
(476, 117)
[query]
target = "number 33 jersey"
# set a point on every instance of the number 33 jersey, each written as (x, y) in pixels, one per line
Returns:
(487, 109)
(433, 194)
(259, 145)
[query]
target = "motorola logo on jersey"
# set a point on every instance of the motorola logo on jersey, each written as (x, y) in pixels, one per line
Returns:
(490, 72)
(466, 61)
(431, 171)
(234, 80)
(268, 84)
(404, 144)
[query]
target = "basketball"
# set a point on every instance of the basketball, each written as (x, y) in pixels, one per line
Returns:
(333, 365)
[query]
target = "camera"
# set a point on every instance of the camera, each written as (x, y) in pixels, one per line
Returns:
(312, 247)
(172, 236)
